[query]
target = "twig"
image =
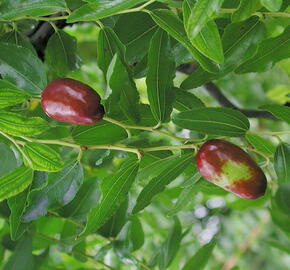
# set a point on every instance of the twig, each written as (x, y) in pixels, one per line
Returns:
(217, 94)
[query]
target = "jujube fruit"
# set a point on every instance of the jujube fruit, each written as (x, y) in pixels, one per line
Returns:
(231, 168)
(72, 101)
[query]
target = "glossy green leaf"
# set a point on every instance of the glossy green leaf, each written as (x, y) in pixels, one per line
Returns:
(282, 198)
(15, 182)
(114, 190)
(208, 40)
(124, 89)
(155, 167)
(17, 205)
(108, 45)
(16, 9)
(282, 162)
(8, 160)
(279, 218)
(136, 233)
(186, 101)
(202, 12)
(61, 54)
(169, 22)
(261, 144)
(60, 190)
(137, 40)
(214, 121)
(86, 198)
(101, 133)
(19, 39)
(269, 52)
(22, 258)
(171, 246)
(239, 44)
(158, 184)
(43, 157)
(272, 5)
(115, 224)
(101, 9)
(281, 112)
(15, 124)
(10, 95)
(201, 257)
(245, 10)
(186, 195)
(28, 74)
(159, 80)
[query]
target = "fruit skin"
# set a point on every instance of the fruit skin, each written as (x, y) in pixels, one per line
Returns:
(231, 168)
(71, 101)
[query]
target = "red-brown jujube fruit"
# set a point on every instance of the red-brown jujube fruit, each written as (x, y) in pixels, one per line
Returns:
(71, 101)
(231, 168)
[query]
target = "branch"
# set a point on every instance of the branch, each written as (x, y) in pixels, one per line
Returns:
(217, 94)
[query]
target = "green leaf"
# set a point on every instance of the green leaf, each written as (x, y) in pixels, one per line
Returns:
(201, 257)
(282, 198)
(186, 195)
(101, 9)
(278, 245)
(208, 42)
(102, 133)
(281, 112)
(136, 233)
(261, 144)
(59, 191)
(171, 246)
(15, 182)
(169, 22)
(269, 52)
(10, 95)
(279, 218)
(43, 157)
(245, 10)
(202, 12)
(137, 40)
(114, 190)
(114, 225)
(272, 5)
(158, 184)
(61, 54)
(159, 80)
(108, 45)
(124, 89)
(239, 43)
(152, 169)
(186, 101)
(19, 39)
(8, 161)
(214, 121)
(282, 162)
(28, 74)
(22, 258)
(17, 205)
(16, 9)
(15, 124)
(86, 198)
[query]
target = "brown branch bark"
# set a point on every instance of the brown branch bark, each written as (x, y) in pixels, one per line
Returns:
(215, 92)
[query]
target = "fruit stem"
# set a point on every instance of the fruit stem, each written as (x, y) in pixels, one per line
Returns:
(152, 129)
(120, 147)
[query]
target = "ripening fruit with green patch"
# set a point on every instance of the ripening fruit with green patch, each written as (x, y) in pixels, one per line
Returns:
(231, 168)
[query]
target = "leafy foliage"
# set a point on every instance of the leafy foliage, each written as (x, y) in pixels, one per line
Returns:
(125, 193)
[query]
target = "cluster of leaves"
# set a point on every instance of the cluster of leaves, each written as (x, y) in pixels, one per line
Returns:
(80, 190)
